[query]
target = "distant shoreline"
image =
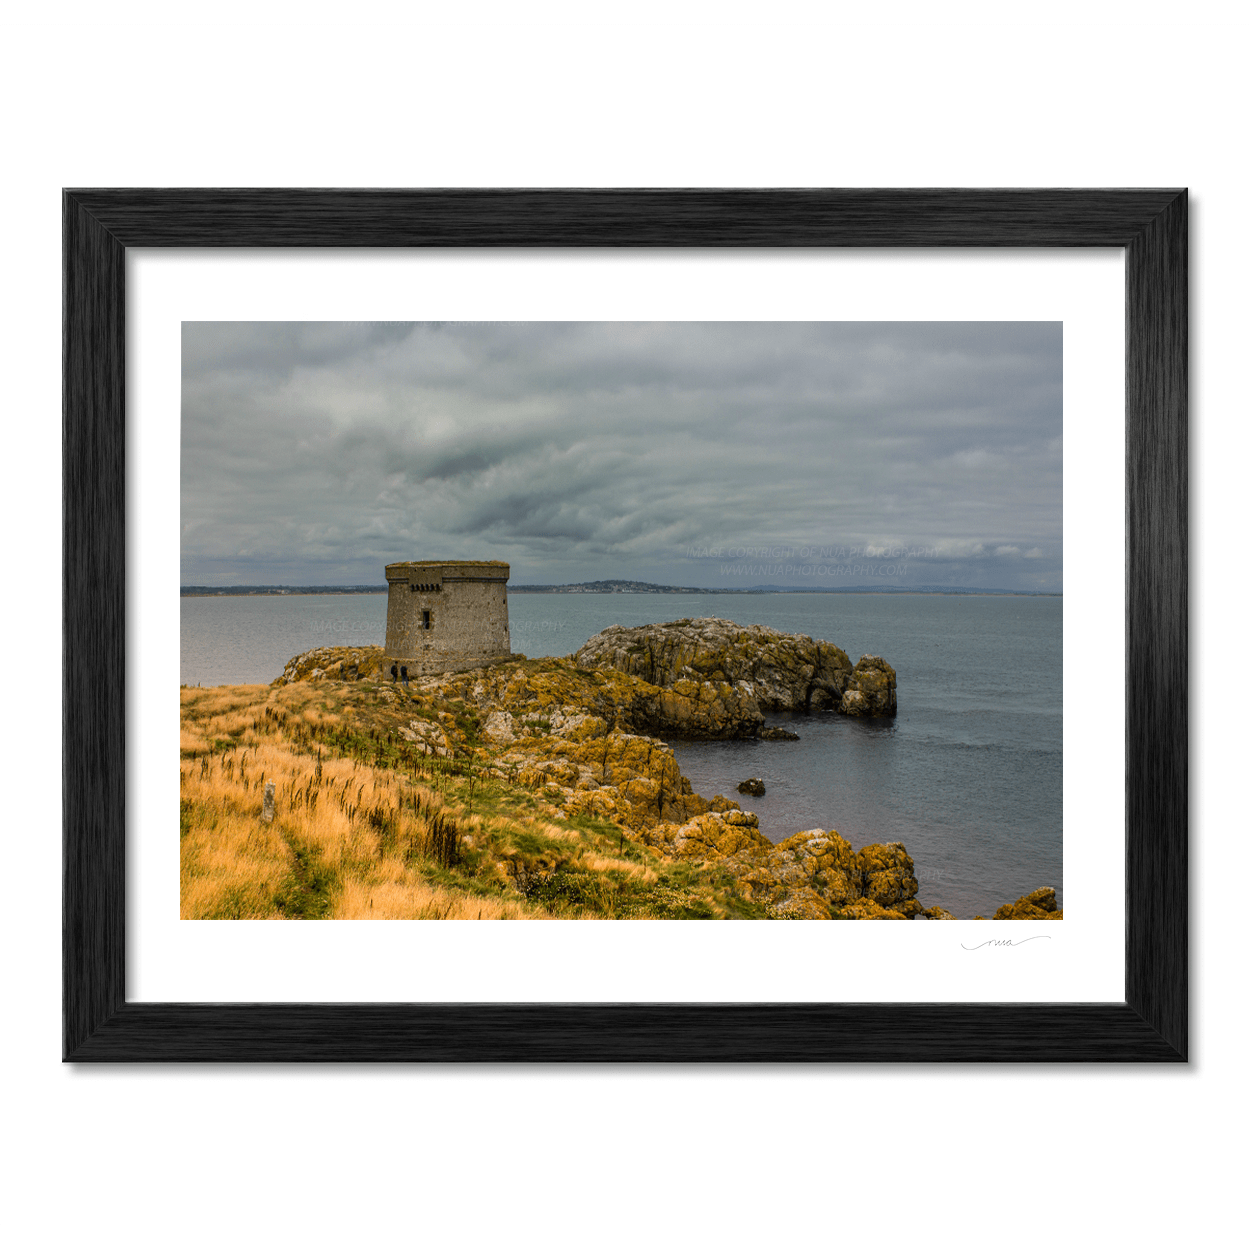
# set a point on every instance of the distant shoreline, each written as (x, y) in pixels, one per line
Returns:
(630, 588)
(786, 590)
(201, 592)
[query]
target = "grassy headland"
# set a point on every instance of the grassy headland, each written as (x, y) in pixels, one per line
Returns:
(529, 789)
(369, 826)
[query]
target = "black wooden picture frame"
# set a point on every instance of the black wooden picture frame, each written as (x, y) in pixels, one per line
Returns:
(1151, 1024)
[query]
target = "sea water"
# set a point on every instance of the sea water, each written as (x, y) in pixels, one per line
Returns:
(968, 775)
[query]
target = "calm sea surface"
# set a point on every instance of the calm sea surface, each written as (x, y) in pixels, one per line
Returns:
(969, 775)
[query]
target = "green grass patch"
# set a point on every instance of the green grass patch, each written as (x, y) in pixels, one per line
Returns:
(738, 908)
(568, 890)
(527, 842)
(305, 892)
(243, 903)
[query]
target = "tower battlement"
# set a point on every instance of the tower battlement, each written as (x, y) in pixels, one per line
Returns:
(443, 616)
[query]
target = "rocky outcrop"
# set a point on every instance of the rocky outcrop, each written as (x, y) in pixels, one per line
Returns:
(689, 708)
(871, 689)
(537, 690)
(334, 664)
(629, 778)
(584, 741)
(813, 875)
(1039, 905)
(433, 739)
(782, 672)
(710, 836)
(698, 679)
(753, 786)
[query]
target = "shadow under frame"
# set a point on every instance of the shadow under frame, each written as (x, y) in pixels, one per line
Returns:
(1150, 1025)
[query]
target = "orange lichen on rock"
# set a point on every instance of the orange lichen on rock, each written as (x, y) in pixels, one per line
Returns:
(710, 836)
(779, 671)
(584, 740)
(871, 689)
(889, 873)
(1041, 904)
(333, 664)
(811, 875)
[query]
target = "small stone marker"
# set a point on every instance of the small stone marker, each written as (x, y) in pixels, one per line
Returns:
(267, 817)
(752, 785)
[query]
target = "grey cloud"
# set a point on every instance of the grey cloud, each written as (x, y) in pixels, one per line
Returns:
(621, 450)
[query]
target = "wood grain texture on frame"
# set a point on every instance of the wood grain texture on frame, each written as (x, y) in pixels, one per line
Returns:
(1150, 1024)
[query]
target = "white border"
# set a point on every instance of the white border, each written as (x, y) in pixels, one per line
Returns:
(1081, 959)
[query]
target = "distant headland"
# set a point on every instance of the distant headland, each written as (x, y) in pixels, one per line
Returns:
(651, 588)
(282, 590)
(624, 587)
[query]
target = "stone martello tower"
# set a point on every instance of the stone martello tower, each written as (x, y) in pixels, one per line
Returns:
(446, 615)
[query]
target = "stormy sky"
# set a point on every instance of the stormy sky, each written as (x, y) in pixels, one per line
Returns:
(687, 453)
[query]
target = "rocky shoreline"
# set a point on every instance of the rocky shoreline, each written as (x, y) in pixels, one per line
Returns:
(585, 734)
(777, 672)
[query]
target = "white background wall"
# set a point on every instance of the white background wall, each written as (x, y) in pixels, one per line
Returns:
(909, 94)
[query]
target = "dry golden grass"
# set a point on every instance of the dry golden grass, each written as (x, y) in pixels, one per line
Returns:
(367, 826)
(398, 900)
(610, 863)
(557, 832)
(348, 841)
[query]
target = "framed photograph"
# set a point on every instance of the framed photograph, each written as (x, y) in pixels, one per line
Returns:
(544, 1018)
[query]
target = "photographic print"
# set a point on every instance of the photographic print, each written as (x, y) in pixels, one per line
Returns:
(607, 620)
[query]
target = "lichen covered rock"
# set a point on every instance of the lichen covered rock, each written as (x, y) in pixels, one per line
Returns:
(889, 875)
(710, 836)
(1041, 904)
(823, 860)
(334, 664)
(870, 909)
(432, 738)
(811, 875)
(555, 696)
(703, 709)
(782, 672)
(585, 741)
(871, 689)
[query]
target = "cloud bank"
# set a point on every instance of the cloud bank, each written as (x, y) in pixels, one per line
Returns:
(702, 454)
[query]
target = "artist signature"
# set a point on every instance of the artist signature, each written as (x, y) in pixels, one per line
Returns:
(1006, 941)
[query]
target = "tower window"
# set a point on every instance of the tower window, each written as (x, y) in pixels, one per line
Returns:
(425, 620)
